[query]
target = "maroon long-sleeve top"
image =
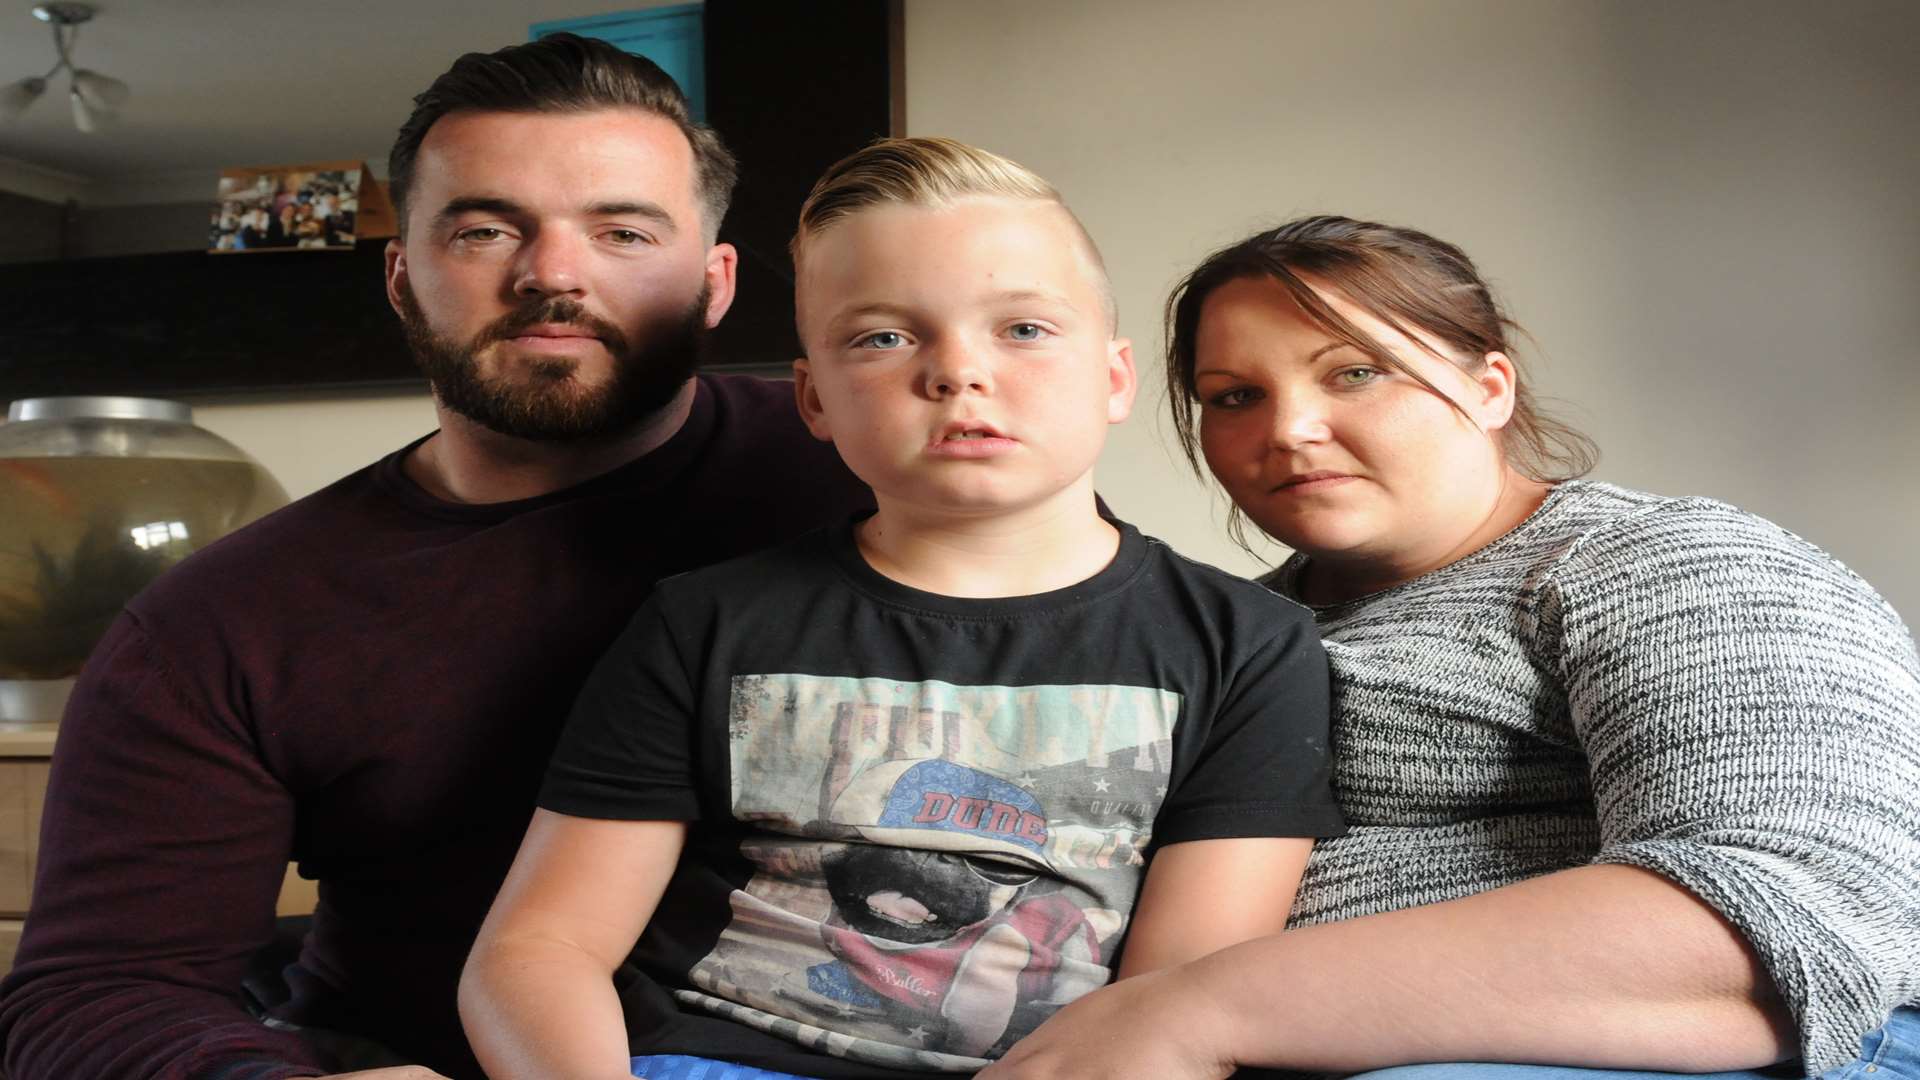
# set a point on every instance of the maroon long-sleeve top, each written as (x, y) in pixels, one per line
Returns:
(368, 681)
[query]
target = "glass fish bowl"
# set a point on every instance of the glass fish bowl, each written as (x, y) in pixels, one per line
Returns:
(99, 496)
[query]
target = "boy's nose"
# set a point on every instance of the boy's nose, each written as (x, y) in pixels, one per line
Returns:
(956, 370)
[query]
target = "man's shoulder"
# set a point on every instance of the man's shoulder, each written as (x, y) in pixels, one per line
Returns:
(754, 415)
(760, 461)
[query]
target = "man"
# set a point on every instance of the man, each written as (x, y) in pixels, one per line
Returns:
(370, 680)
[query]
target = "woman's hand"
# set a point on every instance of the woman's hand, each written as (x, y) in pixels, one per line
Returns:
(1162, 1025)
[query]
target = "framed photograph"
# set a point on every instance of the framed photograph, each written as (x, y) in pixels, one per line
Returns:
(289, 207)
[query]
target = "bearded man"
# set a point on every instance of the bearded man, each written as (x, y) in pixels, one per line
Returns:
(370, 680)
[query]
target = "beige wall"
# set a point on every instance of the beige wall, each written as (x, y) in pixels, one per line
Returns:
(1706, 213)
(309, 444)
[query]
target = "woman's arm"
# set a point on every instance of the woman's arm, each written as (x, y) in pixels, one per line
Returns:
(537, 996)
(1205, 895)
(1749, 710)
(1603, 966)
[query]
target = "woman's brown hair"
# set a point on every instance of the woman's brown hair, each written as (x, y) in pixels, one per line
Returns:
(1406, 279)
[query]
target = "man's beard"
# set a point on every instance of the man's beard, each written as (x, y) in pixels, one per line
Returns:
(541, 400)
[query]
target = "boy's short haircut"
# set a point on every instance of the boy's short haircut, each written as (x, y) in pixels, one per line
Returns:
(931, 172)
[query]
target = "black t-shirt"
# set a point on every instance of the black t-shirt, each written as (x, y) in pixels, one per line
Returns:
(920, 822)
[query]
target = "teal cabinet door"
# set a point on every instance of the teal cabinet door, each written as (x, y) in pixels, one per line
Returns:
(672, 37)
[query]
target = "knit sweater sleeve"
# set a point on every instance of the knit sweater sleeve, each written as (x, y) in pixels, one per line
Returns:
(1751, 712)
(163, 846)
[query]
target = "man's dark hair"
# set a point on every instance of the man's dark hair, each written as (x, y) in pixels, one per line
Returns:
(562, 73)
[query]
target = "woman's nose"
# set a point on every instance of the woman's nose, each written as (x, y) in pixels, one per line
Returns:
(1298, 420)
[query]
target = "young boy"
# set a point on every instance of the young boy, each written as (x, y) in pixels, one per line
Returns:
(884, 799)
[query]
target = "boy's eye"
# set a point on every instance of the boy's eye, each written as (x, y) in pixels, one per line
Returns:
(881, 339)
(1026, 331)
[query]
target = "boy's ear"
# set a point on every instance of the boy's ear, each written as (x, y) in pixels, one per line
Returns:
(1122, 381)
(806, 394)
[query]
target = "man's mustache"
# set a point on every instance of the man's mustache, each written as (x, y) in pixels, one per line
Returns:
(554, 311)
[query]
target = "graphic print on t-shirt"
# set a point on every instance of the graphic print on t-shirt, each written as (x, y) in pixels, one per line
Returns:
(937, 868)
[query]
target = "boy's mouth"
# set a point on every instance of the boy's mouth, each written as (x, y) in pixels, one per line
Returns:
(969, 440)
(968, 429)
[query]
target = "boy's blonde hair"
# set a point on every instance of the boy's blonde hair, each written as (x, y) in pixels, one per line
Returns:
(931, 172)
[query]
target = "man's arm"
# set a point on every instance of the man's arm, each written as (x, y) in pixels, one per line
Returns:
(163, 845)
(537, 995)
(1205, 895)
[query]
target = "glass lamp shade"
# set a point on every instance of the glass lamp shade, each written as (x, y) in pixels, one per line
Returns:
(100, 91)
(15, 98)
(98, 496)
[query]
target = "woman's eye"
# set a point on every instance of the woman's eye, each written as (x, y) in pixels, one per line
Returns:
(881, 339)
(1356, 376)
(1026, 331)
(1231, 399)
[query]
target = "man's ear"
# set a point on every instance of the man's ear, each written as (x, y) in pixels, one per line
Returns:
(806, 394)
(1123, 382)
(723, 263)
(396, 274)
(1499, 388)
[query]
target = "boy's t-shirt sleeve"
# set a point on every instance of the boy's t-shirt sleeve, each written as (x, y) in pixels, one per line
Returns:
(628, 750)
(1264, 765)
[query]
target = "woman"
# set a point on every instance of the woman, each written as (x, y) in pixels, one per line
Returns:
(1634, 781)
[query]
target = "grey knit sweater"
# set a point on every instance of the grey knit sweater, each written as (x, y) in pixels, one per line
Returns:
(1666, 683)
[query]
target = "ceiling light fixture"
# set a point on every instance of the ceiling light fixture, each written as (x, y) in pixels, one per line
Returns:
(94, 96)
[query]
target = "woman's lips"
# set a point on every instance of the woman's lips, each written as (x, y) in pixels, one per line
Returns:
(1313, 482)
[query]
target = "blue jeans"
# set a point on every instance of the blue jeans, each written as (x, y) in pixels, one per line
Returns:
(681, 1067)
(1889, 1052)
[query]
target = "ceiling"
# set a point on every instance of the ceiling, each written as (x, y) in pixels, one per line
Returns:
(240, 82)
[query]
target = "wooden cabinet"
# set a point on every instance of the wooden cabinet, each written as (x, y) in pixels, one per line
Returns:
(24, 757)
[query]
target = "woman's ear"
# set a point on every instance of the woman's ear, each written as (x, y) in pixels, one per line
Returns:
(1499, 388)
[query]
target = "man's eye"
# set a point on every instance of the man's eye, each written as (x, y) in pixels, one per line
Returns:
(625, 237)
(1026, 331)
(483, 234)
(881, 339)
